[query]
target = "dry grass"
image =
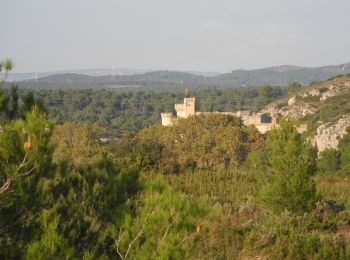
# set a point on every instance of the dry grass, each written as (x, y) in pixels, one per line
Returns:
(334, 188)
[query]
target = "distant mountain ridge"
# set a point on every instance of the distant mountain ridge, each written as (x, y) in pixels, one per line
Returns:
(278, 75)
(88, 72)
(95, 73)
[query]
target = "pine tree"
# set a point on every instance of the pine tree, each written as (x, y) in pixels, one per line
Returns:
(292, 163)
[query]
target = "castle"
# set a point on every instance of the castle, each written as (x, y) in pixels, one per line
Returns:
(262, 121)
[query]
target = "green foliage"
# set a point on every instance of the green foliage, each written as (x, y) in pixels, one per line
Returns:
(164, 226)
(131, 110)
(344, 149)
(191, 143)
(51, 245)
(292, 162)
(15, 160)
(256, 161)
(294, 87)
(88, 199)
(329, 161)
(336, 162)
(297, 237)
(10, 106)
(21, 167)
(335, 188)
(231, 187)
(242, 229)
(77, 143)
(335, 107)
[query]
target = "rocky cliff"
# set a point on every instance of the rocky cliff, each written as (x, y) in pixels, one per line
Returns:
(325, 105)
(327, 136)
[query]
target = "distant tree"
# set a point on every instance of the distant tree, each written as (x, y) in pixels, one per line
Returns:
(294, 87)
(29, 102)
(266, 91)
(329, 161)
(6, 65)
(12, 108)
(344, 149)
(10, 99)
(76, 142)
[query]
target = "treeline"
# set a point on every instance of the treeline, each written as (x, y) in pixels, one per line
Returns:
(128, 111)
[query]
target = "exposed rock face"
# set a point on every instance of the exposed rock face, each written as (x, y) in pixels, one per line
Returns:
(297, 110)
(308, 101)
(328, 136)
(314, 92)
(291, 101)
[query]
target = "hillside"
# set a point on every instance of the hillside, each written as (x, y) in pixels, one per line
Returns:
(280, 75)
(323, 106)
(162, 79)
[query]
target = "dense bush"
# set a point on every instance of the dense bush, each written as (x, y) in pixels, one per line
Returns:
(336, 162)
(292, 163)
(193, 143)
(329, 161)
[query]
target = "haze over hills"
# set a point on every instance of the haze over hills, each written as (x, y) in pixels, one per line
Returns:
(93, 72)
(89, 72)
(278, 75)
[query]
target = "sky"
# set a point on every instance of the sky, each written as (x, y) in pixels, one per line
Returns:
(192, 35)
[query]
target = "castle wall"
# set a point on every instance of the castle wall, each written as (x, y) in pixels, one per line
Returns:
(167, 119)
(263, 121)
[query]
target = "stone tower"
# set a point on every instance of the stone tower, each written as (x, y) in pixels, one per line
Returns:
(167, 119)
(186, 109)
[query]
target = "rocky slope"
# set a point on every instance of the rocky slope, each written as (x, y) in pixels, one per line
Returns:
(324, 106)
(327, 136)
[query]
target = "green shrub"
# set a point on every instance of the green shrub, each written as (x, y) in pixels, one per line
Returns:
(329, 161)
(292, 162)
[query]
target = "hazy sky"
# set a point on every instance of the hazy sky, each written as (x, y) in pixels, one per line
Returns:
(203, 35)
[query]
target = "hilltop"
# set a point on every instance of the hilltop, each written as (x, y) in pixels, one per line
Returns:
(278, 75)
(323, 106)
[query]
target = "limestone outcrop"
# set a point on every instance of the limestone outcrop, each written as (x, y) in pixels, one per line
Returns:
(297, 110)
(327, 136)
(309, 102)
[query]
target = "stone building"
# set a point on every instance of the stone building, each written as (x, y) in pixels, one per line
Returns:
(188, 108)
(262, 121)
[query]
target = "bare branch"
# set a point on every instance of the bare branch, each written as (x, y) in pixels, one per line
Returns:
(117, 243)
(169, 226)
(8, 182)
(133, 241)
